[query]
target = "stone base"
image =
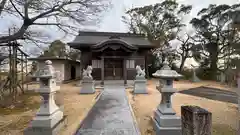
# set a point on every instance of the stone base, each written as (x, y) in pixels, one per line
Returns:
(167, 120)
(166, 130)
(140, 87)
(195, 79)
(87, 88)
(44, 130)
(47, 121)
(166, 124)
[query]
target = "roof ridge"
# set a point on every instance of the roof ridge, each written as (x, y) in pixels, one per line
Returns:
(98, 33)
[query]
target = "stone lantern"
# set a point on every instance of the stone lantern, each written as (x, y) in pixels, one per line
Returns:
(165, 120)
(49, 118)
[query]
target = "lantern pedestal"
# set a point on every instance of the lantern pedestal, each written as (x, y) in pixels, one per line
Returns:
(140, 85)
(87, 86)
(49, 119)
(165, 119)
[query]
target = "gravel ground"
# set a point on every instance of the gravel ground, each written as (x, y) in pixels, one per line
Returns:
(75, 108)
(224, 115)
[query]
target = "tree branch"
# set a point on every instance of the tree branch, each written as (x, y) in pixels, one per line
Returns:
(47, 12)
(16, 9)
(26, 6)
(2, 5)
(18, 35)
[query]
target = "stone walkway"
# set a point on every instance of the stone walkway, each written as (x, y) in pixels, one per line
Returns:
(110, 115)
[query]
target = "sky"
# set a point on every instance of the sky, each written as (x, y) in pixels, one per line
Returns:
(112, 19)
(113, 22)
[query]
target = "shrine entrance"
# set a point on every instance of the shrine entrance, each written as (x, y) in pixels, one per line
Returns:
(113, 68)
(113, 54)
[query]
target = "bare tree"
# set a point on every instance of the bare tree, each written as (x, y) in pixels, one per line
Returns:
(2, 4)
(185, 49)
(66, 15)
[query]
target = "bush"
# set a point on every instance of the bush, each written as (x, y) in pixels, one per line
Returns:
(204, 73)
(187, 74)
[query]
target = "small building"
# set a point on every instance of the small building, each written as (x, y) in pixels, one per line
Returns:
(113, 56)
(69, 69)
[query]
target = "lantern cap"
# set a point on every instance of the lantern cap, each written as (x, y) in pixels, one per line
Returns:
(166, 72)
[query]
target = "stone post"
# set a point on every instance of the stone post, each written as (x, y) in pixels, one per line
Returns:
(222, 77)
(165, 120)
(196, 121)
(194, 76)
(49, 119)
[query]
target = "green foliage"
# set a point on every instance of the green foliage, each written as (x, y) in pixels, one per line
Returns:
(56, 49)
(205, 73)
(215, 39)
(187, 74)
(159, 22)
(74, 54)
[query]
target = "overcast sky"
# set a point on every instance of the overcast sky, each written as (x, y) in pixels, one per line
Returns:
(112, 20)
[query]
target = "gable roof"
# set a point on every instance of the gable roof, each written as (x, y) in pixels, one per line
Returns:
(86, 39)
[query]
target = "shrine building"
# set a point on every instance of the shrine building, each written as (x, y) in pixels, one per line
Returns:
(113, 56)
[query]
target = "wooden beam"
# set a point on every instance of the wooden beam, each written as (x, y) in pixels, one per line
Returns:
(125, 57)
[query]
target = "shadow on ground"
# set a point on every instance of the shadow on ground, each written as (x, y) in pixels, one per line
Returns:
(212, 93)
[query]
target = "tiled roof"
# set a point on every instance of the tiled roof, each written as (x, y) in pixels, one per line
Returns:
(52, 58)
(92, 38)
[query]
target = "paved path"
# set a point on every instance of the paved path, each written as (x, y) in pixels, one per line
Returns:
(212, 93)
(110, 115)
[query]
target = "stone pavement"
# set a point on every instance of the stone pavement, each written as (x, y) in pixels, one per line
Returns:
(212, 93)
(111, 115)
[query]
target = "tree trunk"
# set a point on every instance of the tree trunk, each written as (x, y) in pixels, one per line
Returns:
(214, 59)
(182, 64)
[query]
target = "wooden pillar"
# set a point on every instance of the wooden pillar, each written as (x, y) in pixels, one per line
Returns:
(238, 90)
(102, 71)
(196, 121)
(146, 66)
(124, 71)
(81, 69)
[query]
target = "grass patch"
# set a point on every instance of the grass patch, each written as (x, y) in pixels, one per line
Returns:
(222, 129)
(25, 102)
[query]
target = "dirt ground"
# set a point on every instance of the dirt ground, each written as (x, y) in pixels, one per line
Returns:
(13, 121)
(224, 115)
